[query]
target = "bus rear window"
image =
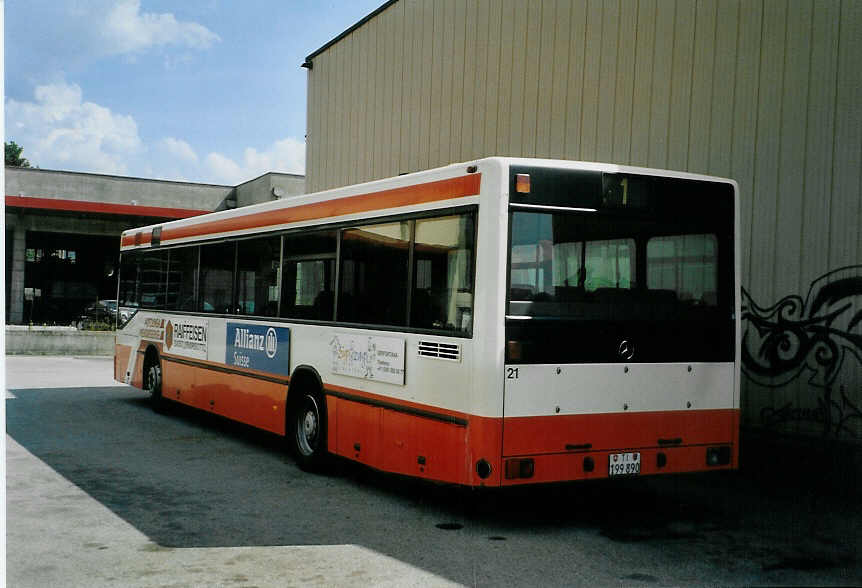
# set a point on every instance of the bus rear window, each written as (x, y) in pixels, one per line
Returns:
(553, 261)
(649, 265)
(686, 265)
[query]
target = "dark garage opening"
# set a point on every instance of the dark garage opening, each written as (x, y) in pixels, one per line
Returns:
(65, 272)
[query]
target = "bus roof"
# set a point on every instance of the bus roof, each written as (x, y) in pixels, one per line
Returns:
(444, 186)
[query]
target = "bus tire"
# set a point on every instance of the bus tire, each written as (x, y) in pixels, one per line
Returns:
(153, 383)
(307, 431)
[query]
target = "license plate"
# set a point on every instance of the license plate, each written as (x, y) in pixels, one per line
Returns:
(624, 464)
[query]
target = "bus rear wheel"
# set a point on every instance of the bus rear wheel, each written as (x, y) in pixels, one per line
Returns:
(308, 431)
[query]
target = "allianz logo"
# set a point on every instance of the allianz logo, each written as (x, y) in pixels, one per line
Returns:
(268, 343)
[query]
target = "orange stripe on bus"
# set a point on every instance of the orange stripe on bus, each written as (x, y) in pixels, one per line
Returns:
(405, 196)
(621, 430)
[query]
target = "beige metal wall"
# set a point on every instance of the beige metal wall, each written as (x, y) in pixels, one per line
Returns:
(766, 92)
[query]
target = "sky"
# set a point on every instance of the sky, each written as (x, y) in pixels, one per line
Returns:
(198, 90)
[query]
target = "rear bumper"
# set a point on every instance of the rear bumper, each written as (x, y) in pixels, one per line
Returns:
(579, 447)
(594, 465)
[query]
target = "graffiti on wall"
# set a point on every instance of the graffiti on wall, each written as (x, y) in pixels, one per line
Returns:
(812, 338)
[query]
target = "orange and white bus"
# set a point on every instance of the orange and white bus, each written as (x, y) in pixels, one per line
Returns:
(492, 323)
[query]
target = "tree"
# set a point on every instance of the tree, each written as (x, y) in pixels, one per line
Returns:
(13, 155)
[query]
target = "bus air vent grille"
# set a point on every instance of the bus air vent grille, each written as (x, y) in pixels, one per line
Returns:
(450, 351)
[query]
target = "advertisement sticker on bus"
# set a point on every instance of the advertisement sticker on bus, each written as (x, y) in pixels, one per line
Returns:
(258, 347)
(370, 358)
(153, 329)
(187, 336)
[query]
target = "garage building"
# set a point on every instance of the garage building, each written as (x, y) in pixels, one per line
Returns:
(766, 92)
(63, 231)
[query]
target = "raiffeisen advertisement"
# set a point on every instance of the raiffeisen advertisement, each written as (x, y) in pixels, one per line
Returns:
(258, 347)
(185, 336)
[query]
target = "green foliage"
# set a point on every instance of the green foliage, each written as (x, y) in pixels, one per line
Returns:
(13, 155)
(95, 326)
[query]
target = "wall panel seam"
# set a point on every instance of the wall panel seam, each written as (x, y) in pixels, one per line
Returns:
(834, 158)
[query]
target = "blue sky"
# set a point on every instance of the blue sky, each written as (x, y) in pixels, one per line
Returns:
(198, 90)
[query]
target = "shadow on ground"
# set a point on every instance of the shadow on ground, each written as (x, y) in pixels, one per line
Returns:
(188, 479)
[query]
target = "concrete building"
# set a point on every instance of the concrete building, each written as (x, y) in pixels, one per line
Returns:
(768, 92)
(63, 231)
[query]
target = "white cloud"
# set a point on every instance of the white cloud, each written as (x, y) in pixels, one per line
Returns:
(126, 29)
(286, 155)
(49, 39)
(223, 169)
(179, 149)
(59, 130)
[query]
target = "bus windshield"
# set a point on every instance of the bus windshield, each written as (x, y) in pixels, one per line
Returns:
(658, 275)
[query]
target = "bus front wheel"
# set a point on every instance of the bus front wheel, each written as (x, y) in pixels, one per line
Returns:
(308, 431)
(153, 375)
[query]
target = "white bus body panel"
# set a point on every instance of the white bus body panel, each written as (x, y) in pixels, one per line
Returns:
(539, 390)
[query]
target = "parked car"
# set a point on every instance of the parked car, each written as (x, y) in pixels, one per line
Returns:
(126, 312)
(101, 312)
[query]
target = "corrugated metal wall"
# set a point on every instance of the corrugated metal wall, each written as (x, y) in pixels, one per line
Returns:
(766, 92)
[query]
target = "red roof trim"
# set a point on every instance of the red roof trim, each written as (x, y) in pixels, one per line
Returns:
(456, 187)
(100, 207)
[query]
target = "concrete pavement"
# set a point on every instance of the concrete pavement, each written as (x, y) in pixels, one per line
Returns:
(58, 535)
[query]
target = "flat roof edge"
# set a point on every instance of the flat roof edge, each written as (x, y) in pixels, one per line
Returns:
(271, 173)
(348, 31)
(116, 177)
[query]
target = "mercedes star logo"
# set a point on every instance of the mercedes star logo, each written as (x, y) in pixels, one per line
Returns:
(626, 349)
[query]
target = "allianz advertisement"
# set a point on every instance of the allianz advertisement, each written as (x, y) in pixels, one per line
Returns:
(258, 347)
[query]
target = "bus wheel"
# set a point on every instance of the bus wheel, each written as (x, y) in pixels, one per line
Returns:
(308, 431)
(153, 375)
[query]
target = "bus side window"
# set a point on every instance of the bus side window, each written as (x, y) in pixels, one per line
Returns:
(183, 279)
(373, 287)
(257, 276)
(216, 278)
(442, 295)
(130, 280)
(308, 276)
(154, 274)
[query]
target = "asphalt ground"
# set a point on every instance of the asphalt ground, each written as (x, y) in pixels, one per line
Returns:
(101, 491)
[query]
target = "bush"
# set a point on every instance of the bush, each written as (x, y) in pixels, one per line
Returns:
(96, 326)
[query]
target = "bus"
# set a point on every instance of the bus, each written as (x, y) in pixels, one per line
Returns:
(493, 323)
